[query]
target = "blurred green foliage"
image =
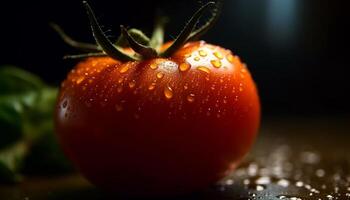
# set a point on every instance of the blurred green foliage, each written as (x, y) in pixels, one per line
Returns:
(27, 140)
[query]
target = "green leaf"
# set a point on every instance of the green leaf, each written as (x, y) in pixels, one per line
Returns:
(45, 154)
(10, 121)
(10, 162)
(26, 126)
(38, 120)
(19, 90)
(14, 81)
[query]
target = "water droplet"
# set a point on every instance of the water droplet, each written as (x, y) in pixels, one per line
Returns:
(196, 58)
(216, 63)
(153, 66)
(299, 184)
(168, 92)
(132, 84)
(229, 182)
(118, 107)
(124, 69)
(240, 87)
(160, 75)
(184, 67)
(185, 87)
(246, 181)
(264, 180)
(230, 58)
(190, 98)
(320, 173)
(260, 188)
(202, 53)
(289, 197)
(80, 79)
(152, 86)
(204, 69)
(89, 102)
(283, 183)
(65, 103)
(218, 55)
(120, 80)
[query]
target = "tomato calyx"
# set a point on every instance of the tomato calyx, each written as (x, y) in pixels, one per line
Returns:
(142, 46)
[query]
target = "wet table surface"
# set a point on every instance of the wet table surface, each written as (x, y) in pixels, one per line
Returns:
(293, 158)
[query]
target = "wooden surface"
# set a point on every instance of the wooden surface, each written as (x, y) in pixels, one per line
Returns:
(293, 158)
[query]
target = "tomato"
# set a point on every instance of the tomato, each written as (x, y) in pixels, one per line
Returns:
(158, 126)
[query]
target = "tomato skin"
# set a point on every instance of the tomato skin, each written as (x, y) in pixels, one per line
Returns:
(137, 130)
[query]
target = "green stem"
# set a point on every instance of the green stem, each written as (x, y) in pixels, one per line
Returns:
(102, 54)
(182, 38)
(102, 40)
(137, 35)
(195, 35)
(144, 51)
(157, 38)
(79, 45)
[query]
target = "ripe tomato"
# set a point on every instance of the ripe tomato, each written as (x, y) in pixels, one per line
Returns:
(160, 125)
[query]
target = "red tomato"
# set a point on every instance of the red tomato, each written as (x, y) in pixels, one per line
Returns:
(157, 120)
(159, 126)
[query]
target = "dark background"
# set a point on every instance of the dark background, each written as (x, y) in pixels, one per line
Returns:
(295, 49)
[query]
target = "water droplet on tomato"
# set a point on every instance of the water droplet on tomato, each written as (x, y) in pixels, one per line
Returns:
(80, 79)
(218, 55)
(132, 84)
(190, 98)
(124, 69)
(160, 75)
(204, 69)
(230, 58)
(202, 53)
(64, 104)
(89, 102)
(120, 80)
(216, 63)
(240, 87)
(152, 86)
(168, 92)
(184, 67)
(196, 58)
(153, 66)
